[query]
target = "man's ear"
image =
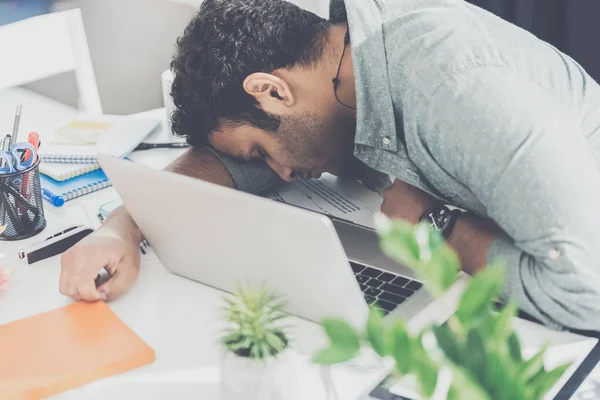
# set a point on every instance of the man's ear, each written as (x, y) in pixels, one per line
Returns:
(269, 90)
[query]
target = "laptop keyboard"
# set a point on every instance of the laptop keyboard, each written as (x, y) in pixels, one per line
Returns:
(384, 290)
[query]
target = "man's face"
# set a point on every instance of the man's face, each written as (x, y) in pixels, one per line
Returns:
(304, 146)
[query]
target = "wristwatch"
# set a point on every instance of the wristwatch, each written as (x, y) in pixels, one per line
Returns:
(440, 218)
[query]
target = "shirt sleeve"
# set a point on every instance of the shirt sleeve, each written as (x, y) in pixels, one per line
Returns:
(250, 176)
(522, 153)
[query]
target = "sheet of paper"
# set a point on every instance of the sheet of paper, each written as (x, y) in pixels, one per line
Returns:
(340, 198)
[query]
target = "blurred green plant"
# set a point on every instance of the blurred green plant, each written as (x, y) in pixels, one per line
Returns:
(477, 344)
(254, 315)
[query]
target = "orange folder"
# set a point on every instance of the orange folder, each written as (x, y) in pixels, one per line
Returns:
(66, 348)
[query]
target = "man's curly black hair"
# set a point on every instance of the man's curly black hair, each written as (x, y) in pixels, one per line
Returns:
(226, 41)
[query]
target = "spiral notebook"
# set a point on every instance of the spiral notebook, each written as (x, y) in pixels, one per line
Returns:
(76, 187)
(81, 140)
(64, 171)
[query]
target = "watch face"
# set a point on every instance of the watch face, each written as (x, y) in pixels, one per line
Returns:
(438, 218)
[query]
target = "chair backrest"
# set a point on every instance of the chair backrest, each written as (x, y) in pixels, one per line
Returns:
(48, 45)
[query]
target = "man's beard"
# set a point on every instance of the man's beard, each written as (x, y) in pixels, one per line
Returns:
(314, 142)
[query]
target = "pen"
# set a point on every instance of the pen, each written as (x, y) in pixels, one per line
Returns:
(55, 200)
(147, 146)
(5, 146)
(15, 131)
(6, 143)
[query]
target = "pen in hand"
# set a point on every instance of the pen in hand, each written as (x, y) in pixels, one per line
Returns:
(102, 277)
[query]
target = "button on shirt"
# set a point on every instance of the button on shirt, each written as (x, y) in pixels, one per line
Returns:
(483, 115)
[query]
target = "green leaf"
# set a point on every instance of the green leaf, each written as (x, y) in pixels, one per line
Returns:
(264, 351)
(544, 382)
(426, 371)
(254, 352)
(465, 387)
(275, 342)
(436, 240)
(333, 355)
(399, 243)
(402, 347)
(485, 325)
(514, 347)
(533, 366)
(447, 342)
(475, 358)
(482, 289)
(501, 378)
(376, 331)
(342, 335)
(442, 270)
(503, 325)
(240, 345)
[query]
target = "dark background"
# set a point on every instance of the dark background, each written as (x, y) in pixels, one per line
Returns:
(572, 26)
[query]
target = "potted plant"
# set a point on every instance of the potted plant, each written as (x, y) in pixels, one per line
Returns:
(474, 355)
(256, 363)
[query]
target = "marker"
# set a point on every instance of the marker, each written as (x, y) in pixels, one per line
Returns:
(55, 200)
(55, 245)
(34, 139)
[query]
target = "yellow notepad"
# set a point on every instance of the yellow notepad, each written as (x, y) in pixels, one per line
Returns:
(80, 141)
(64, 171)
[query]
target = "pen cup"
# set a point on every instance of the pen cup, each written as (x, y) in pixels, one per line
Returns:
(21, 207)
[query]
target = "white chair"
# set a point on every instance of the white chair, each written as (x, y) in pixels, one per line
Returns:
(48, 45)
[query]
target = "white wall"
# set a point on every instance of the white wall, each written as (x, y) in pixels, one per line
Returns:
(131, 43)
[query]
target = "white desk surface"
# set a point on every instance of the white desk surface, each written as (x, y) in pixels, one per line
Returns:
(178, 318)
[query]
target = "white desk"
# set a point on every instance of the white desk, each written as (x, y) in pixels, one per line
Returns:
(178, 318)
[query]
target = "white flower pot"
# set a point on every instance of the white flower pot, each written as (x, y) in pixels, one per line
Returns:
(243, 378)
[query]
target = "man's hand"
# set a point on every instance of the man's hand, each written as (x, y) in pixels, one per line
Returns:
(80, 265)
(404, 201)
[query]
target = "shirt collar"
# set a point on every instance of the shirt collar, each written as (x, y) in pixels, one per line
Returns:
(375, 121)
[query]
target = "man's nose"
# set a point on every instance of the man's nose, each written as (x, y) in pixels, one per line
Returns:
(285, 173)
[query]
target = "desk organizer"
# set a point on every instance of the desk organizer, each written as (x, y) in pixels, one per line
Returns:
(21, 208)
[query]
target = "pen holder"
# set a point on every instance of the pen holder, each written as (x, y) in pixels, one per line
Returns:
(21, 208)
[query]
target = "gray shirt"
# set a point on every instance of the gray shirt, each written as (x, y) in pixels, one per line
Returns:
(482, 115)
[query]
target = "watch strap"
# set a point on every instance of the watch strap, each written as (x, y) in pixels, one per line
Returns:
(454, 216)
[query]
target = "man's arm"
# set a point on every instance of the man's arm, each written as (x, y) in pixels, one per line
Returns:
(114, 247)
(471, 236)
(211, 166)
(199, 163)
(522, 153)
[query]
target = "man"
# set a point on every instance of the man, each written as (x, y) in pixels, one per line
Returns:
(453, 104)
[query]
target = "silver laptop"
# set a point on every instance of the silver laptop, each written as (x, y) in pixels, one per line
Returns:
(223, 237)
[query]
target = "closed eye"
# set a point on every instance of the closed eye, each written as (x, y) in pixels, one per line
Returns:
(261, 153)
